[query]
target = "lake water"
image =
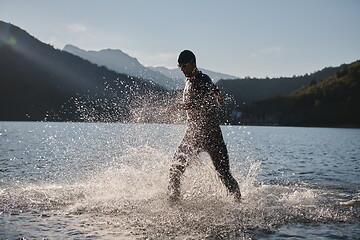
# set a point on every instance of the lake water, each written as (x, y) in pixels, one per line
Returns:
(108, 181)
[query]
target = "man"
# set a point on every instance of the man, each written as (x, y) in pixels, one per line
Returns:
(203, 134)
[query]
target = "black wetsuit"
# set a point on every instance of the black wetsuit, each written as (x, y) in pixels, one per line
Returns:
(203, 134)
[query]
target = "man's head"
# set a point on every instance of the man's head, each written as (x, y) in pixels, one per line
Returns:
(187, 63)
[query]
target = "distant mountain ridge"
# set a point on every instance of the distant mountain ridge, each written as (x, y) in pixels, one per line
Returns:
(176, 74)
(121, 62)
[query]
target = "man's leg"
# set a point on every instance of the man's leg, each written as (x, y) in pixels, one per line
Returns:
(181, 158)
(220, 158)
(176, 171)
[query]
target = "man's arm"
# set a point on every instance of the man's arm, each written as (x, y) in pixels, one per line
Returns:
(216, 91)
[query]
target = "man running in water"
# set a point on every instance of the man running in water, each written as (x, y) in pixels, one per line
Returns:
(203, 134)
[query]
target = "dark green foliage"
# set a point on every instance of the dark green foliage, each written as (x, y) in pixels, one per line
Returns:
(334, 101)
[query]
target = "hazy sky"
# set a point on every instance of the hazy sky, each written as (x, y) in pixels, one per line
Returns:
(255, 38)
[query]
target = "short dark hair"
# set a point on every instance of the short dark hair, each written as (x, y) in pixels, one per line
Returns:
(186, 56)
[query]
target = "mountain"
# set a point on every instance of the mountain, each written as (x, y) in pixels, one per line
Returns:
(332, 101)
(177, 75)
(40, 83)
(121, 62)
(248, 90)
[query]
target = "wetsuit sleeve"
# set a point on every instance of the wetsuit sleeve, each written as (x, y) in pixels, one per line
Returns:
(212, 88)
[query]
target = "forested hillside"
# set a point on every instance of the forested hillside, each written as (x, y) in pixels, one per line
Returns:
(331, 101)
(38, 82)
(246, 91)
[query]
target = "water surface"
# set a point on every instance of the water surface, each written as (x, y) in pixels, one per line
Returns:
(108, 181)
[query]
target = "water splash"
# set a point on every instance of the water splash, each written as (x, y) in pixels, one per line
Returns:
(129, 197)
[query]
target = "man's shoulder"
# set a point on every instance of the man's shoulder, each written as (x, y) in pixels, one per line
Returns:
(204, 77)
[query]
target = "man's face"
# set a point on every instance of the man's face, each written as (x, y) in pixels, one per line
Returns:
(187, 69)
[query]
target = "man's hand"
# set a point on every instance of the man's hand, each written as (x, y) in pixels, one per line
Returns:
(170, 110)
(186, 106)
(220, 99)
(181, 106)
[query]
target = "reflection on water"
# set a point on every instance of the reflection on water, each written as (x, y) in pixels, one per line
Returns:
(108, 181)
